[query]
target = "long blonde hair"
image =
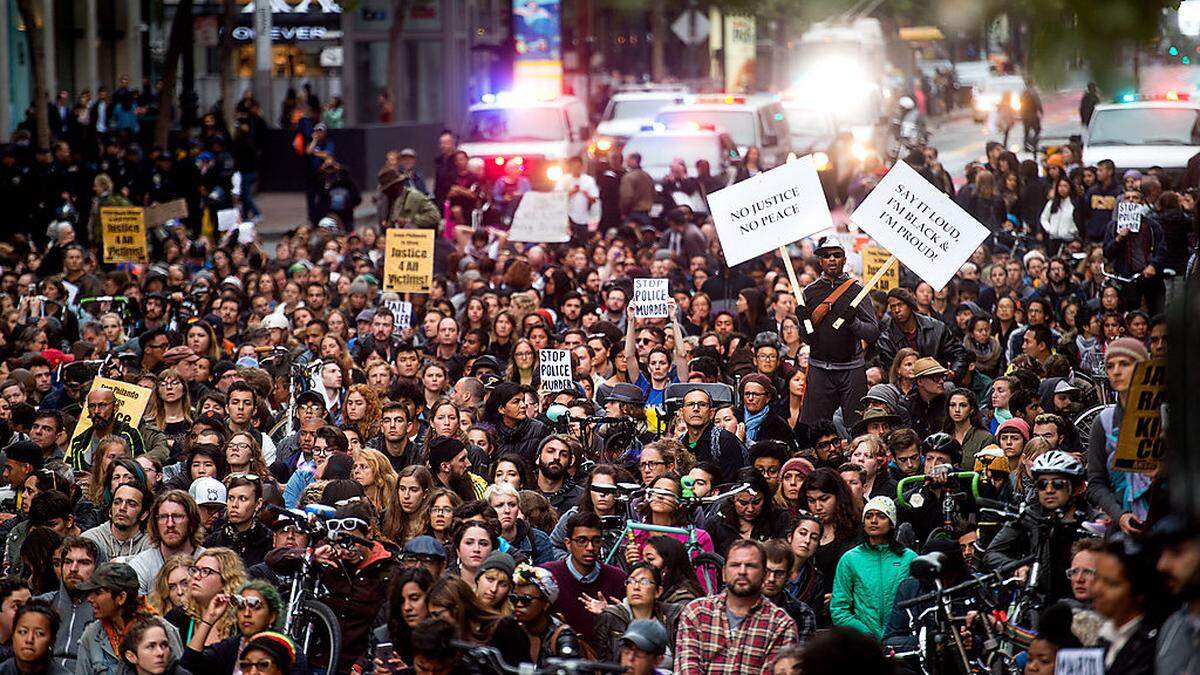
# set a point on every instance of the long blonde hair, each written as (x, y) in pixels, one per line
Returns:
(158, 409)
(381, 492)
(233, 575)
(160, 594)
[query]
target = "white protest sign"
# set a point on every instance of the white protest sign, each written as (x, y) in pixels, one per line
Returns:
(401, 312)
(920, 225)
(1129, 215)
(772, 209)
(227, 219)
(540, 217)
(650, 298)
(555, 369)
(1079, 662)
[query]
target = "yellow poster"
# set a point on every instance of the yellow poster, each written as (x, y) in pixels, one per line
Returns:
(874, 258)
(408, 261)
(1140, 445)
(131, 403)
(124, 234)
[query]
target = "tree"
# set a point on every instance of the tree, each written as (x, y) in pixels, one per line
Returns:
(34, 27)
(179, 39)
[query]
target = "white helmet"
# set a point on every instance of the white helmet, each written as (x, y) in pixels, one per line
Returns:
(1057, 461)
(906, 103)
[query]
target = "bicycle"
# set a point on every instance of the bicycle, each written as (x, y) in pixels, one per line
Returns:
(309, 621)
(488, 659)
(709, 566)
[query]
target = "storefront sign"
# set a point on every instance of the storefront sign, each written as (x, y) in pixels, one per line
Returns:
(537, 36)
(920, 225)
(304, 33)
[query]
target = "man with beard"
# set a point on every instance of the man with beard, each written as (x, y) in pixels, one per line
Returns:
(78, 558)
(102, 408)
(555, 455)
(837, 372)
(737, 630)
(122, 535)
(380, 340)
(174, 528)
(155, 313)
(1179, 564)
(451, 468)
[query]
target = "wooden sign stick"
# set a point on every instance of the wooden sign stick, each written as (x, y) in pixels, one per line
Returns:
(867, 288)
(796, 290)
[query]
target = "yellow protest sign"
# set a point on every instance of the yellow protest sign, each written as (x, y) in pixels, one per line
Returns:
(1140, 445)
(408, 261)
(131, 403)
(874, 258)
(124, 234)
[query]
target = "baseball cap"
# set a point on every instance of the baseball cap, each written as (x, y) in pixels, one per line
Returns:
(207, 490)
(425, 546)
(647, 635)
(408, 152)
(112, 576)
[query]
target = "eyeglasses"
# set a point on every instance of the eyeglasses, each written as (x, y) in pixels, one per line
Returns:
(243, 601)
(650, 464)
(522, 599)
(698, 405)
(441, 510)
(322, 452)
(1086, 572)
(755, 394)
(826, 443)
(169, 517)
(646, 341)
(202, 572)
(1053, 484)
(245, 476)
(770, 471)
(640, 583)
(257, 666)
(589, 541)
(240, 446)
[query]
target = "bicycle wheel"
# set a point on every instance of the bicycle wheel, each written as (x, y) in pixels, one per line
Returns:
(708, 570)
(317, 632)
(1083, 423)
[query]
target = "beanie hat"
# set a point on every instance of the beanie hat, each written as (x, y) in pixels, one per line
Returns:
(1127, 346)
(498, 561)
(444, 449)
(277, 645)
(1015, 424)
(800, 464)
(884, 505)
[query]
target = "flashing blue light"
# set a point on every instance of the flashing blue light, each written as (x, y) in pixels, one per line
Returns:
(778, 116)
(1128, 98)
(1186, 60)
(1173, 51)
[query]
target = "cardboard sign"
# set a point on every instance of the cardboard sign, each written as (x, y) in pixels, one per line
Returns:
(555, 369)
(920, 225)
(408, 261)
(1140, 444)
(650, 298)
(131, 403)
(160, 213)
(227, 219)
(873, 258)
(1079, 662)
(772, 209)
(402, 312)
(124, 234)
(1129, 216)
(541, 217)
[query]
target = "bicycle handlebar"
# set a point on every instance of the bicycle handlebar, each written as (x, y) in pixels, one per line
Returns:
(996, 575)
(960, 475)
(490, 656)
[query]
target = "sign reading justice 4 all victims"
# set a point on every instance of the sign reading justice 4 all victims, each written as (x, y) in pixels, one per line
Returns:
(920, 225)
(408, 261)
(555, 369)
(772, 209)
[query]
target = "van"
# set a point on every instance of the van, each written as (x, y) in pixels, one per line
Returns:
(540, 134)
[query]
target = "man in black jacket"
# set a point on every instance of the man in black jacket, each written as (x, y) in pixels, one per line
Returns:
(837, 370)
(904, 327)
(708, 442)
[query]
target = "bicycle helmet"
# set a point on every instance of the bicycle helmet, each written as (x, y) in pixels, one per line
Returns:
(944, 443)
(1057, 461)
(906, 103)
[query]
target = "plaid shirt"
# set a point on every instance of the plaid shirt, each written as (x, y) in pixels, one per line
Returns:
(706, 644)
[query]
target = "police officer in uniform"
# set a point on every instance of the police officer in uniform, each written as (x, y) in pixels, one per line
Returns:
(837, 370)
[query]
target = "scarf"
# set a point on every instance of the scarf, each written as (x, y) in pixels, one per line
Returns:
(754, 423)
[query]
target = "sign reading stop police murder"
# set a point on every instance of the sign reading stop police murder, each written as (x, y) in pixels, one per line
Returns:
(131, 403)
(1140, 444)
(1079, 662)
(650, 298)
(408, 261)
(541, 217)
(124, 234)
(1129, 216)
(555, 369)
(873, 259)
(772, 209)
(920, 225)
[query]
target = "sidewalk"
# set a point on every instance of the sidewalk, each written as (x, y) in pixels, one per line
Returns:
(283, 211)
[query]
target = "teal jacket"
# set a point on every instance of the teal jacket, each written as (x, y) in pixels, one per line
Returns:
(864, 587)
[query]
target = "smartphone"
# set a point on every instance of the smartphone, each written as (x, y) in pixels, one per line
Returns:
(384, 652)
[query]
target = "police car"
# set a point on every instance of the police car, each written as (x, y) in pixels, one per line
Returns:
(539, 134)
(1141, 131)
(750, 120)
(659, 146)
(627, 112)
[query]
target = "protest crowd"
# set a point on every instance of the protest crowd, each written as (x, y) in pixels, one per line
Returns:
(220, 459)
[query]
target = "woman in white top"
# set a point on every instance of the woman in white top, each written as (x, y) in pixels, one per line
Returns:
(1058, 216)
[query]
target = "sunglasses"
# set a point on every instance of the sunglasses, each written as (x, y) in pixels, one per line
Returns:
(241, 601)
(257, 666)
(346, 524)
(1053, 484)
(522, 599)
